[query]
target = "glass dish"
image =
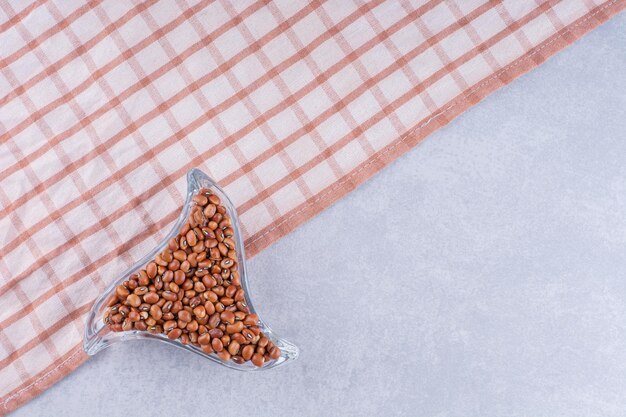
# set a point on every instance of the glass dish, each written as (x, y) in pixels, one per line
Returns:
(98, 336)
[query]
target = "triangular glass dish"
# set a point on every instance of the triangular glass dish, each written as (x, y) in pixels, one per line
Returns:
(125, 308)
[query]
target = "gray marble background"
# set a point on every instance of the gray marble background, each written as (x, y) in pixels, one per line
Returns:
(482, 274)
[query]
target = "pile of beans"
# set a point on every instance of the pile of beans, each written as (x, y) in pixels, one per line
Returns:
(192, 291)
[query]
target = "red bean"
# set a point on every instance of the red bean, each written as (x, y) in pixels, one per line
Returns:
(184, 315)
(204, 339)
(122, 292)
(217, 345)
(258, 359)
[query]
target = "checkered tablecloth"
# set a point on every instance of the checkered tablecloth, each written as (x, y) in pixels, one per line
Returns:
(105, 105)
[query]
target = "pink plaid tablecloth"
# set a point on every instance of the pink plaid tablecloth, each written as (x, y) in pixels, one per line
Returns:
(105, 105)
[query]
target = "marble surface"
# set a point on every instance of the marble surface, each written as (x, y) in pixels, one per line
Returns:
(482, 274)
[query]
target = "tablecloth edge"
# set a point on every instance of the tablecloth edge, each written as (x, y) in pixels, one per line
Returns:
(327, 197)
(44, 380)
